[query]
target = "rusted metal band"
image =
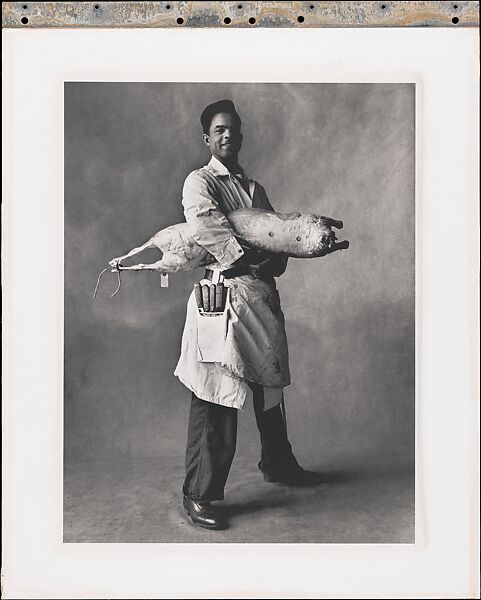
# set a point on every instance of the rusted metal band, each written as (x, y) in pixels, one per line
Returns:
(239, 14)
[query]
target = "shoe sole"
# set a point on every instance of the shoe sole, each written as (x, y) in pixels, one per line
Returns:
(270, 479)
(291, 483)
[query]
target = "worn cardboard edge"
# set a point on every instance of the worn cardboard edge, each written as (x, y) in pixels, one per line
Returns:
(31, 15)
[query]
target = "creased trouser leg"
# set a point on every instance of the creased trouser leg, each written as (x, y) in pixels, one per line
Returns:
(276, 455)
(211, 443)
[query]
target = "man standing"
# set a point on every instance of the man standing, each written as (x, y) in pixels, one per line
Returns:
(253, 353)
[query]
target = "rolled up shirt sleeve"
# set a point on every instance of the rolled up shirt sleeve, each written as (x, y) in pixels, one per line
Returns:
(211, 229)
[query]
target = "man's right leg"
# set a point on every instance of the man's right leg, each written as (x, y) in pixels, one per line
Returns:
(211, 442)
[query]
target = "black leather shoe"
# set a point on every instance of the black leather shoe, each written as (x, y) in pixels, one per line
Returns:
(295, 477)
(203, 514)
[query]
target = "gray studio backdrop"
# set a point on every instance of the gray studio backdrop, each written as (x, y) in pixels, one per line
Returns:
(342, 150)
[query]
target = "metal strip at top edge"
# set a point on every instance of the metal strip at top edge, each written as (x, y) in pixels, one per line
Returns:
(310, 14)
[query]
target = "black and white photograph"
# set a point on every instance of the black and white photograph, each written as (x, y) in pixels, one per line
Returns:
(239, 312)
(240, 300)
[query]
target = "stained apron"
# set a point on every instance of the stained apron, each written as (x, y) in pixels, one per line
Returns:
(250, 347)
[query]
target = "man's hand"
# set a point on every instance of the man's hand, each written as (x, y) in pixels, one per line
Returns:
(261, 264)
(278, 264)
(273, 266)
(261, 269)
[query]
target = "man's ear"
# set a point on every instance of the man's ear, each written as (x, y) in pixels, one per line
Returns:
(206, 139)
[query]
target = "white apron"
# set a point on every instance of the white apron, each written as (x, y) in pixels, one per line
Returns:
(248, 342)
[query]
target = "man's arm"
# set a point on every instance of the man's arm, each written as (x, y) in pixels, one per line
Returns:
(211, 228)
(213, 231)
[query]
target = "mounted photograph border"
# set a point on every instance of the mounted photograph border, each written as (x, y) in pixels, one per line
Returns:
(443, 562)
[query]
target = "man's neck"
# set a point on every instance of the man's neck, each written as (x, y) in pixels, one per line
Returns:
(232, 165)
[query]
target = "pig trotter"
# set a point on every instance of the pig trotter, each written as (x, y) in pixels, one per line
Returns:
(332, 222)
(344, 245)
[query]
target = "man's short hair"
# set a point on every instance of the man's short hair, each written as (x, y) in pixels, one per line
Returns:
(222, 106)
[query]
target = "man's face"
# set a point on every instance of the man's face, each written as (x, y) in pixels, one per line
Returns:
(224, 138)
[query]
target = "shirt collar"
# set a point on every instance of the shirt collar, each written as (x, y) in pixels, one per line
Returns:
(218, 169)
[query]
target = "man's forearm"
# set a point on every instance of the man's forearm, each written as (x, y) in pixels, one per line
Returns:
(210, 227)
(270, 266)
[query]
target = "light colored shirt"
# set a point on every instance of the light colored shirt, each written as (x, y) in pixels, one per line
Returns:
(255, 344)
(208, 194)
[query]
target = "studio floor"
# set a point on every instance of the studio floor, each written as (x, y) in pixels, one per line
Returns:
(139, 500)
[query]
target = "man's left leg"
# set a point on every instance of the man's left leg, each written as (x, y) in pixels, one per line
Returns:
(278, 463)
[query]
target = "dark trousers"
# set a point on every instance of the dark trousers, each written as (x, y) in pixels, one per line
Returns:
(211, 443)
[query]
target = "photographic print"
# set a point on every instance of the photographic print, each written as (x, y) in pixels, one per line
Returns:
(239, 312)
